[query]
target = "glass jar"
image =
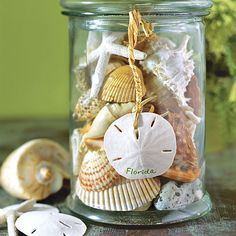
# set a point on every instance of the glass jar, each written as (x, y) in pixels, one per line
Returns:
(137, 114)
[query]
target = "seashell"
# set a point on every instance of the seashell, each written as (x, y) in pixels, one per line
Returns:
(94, 144)
(120, 86)
(96, 173)
(128, 195)
(148, 154)
(185, 167)
(193, 95)
(114, 63)
(50, 223)
(175, 197)
(35, 170)
(108, 114)
(110, 45)
(77, 150)
(174, 69)
(87, 108)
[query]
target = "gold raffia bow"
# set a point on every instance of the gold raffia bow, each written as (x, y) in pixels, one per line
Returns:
(135, 21)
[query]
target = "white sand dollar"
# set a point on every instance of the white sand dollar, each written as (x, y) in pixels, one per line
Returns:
(147, 154)
(50, 223)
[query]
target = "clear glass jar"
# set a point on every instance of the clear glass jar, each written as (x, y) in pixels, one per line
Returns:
(150, 172)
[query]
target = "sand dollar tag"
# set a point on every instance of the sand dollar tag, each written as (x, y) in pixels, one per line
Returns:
(147, 154)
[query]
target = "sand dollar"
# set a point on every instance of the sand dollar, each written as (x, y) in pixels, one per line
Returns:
(148, 153)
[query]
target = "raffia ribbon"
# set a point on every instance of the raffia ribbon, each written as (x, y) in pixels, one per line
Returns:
(135, 21)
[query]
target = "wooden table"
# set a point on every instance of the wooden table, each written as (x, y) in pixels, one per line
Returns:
(221, 184)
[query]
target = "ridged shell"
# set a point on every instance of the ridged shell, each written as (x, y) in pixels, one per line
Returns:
(114, 63)
(87, 108)
(96, 173)
(129, 195)
(120, 86)
(35, 170)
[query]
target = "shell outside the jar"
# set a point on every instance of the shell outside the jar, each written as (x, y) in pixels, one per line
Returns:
(120, 86)
(35, 170)
(96, 173)
(105, 117)
(128, 195)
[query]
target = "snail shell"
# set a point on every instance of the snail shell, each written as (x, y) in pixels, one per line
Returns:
(35, 170)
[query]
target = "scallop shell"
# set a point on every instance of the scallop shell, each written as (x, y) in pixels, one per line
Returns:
(128, 195)
(87, 108)
(96, 173)
(114, 63)
(35, 170)
(120, 86)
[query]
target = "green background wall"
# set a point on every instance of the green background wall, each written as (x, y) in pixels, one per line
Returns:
(33, 59)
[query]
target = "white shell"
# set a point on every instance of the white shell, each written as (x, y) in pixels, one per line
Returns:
(174, 197)
(174, 68)
(148, 155)
(76, 139)
(50, 223)
(129, 195)
(35, 170)
(108, 114)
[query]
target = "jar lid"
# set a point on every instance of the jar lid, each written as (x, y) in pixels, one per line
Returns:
(122, 7)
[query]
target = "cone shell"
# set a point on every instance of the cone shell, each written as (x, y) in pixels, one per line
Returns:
(120, 85)
(128, 195)
(35, 170)
(96, 173)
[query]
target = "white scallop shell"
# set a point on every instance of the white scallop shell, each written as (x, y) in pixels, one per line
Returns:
(148, 155)
(127, 196)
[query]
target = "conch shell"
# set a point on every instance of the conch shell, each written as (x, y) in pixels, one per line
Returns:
(35, 170)
(108, 114)
(120, 85)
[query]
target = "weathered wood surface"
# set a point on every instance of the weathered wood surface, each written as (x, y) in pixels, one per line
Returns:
(221, 184)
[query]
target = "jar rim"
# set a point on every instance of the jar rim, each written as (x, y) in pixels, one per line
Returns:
(122, 7)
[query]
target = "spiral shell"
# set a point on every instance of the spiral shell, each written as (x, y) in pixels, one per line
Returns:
(96, 173)
(120, 85)
(35, 170)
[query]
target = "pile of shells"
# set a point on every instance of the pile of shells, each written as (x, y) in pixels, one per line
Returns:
(168, 82)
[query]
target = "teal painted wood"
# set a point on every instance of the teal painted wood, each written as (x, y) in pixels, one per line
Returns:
(221, 184)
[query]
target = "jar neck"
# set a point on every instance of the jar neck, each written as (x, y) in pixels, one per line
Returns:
(122, 7)
(120, 23)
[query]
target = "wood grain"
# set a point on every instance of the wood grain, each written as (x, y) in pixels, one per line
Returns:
(220, 174)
